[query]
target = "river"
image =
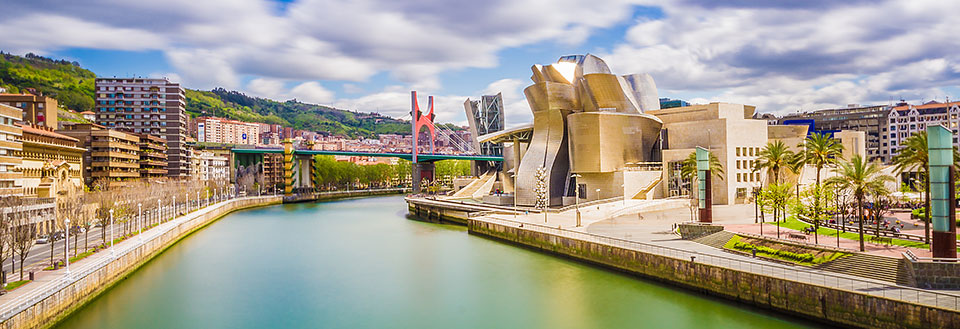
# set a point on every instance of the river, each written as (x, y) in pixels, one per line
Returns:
(360, 263)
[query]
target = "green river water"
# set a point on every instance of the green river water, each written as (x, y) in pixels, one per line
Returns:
(360, 263)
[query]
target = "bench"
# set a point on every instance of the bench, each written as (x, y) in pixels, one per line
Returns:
(881, 240)
(797, 236)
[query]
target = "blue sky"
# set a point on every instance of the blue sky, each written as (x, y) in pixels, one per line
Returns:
(367, 55)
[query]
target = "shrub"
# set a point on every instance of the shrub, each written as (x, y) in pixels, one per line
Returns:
(804, 258)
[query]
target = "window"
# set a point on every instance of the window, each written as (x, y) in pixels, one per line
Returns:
(738, 151)
(738, 164)
(738, 177)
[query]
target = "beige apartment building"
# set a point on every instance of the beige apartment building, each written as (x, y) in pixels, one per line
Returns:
(111, 155)
(150, 106)
(10, 145)
(220, 130)
(37, 110)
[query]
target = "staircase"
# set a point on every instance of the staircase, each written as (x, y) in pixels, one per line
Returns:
(868, 266)
(476, 186)
(716, 240)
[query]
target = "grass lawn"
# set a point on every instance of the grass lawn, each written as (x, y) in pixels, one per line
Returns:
(15, 284)
(768, 252)
(793, 223)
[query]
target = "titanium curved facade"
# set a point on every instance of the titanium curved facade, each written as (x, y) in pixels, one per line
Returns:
(587, 121)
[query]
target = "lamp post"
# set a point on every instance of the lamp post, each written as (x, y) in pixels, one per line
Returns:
(198, 199)
(66, 222)
(111, 234)
(576, 196)
(174, 207)
(514, 176)
(140, 222)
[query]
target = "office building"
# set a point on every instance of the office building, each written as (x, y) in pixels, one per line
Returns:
(220, 130)
(10, 146)
(872, 120)
(111, 155)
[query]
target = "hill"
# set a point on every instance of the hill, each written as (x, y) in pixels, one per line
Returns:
(69, 83)
(72, 86)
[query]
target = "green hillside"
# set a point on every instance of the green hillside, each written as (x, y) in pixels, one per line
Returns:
(69, 83)
(73, 85)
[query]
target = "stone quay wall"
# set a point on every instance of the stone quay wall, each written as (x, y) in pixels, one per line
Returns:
(829, 305)
(932, 275)
(53, 308)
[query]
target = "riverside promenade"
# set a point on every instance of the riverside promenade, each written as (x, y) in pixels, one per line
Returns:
(637, 237)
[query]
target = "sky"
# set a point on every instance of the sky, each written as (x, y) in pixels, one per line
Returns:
(367, 55)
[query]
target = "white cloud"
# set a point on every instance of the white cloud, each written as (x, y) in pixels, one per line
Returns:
(312, 92)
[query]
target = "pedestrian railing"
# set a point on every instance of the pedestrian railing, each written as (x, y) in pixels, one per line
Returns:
(809, 276)
(100, 260)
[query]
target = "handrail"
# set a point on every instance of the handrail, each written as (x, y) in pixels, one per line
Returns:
(916, 259)
(861, 286)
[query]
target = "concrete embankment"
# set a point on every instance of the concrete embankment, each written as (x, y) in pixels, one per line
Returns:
(826, 304)
(54, 302)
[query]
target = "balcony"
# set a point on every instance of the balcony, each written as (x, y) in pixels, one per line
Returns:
(114, 164)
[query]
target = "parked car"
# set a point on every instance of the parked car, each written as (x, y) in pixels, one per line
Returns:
(43, 239)
(58, 236)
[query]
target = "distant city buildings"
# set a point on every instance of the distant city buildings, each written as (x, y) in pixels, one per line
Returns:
(220, 130)
(666, 103)
(872, 120)
(149, 106)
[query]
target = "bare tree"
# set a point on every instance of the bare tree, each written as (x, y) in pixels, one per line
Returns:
(6, 243)
(24, 233)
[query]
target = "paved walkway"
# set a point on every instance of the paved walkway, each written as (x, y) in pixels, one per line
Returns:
(651, 232)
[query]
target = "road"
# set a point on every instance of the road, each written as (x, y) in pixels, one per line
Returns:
(39, 255)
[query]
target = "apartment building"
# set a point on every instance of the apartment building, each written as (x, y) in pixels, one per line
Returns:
(872, 120)
(37, 110)
(150, 106)
(153, 156)
(213, 167)
(111, 155)
(905, 120)
(10, 146)
(220, 130)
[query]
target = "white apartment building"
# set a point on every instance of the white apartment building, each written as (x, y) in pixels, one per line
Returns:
(213, 167)
(219, 130)
(905, 120)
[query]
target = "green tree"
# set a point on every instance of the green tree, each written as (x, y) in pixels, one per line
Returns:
(862, 179)
(818, 150)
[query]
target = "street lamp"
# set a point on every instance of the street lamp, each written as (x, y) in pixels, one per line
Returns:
(111, 234)
(159, 215)
(174, 207)
(576, 196)
(140, 221)
(66, 222)
(514, 176)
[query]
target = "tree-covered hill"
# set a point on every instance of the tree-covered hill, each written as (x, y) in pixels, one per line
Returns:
(69, 83)
(72, 86)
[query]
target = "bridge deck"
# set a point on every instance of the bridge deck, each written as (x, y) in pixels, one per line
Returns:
(405, 156)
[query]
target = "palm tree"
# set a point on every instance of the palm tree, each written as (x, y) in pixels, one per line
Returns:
(862, 178)
(818, 150)
(773, 158)
(914, 157)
